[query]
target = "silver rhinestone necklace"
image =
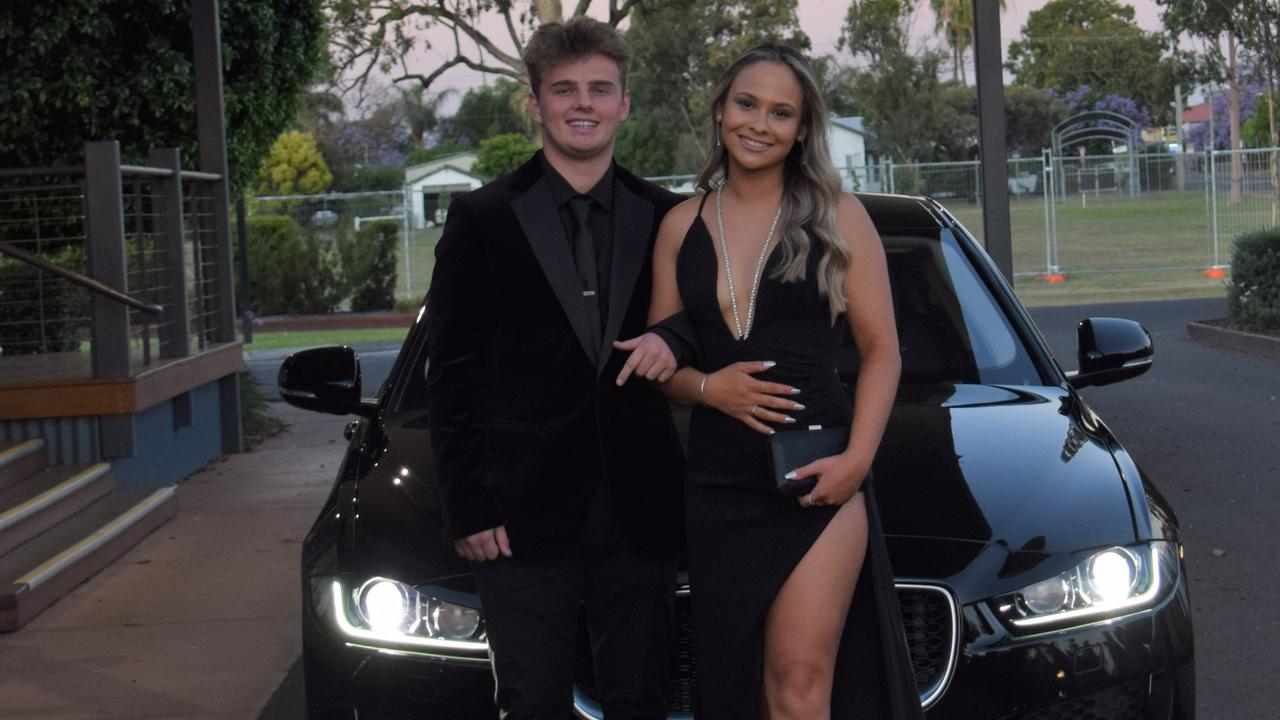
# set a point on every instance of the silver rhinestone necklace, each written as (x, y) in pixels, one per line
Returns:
(743, 331)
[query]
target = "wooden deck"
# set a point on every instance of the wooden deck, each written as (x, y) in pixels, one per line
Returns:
(62, 385)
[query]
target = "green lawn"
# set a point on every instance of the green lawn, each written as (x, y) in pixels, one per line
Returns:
(1112, 247)
(422, 258)
(317, 338)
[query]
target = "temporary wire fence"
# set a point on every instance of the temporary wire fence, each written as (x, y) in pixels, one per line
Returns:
(1070, 215)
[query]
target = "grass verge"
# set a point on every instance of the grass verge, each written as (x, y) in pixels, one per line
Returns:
(317, 338)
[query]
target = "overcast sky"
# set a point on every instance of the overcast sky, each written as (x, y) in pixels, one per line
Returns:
(820, 19)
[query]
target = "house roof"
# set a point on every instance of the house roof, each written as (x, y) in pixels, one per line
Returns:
(452, 168)
(461, 161)
(1196, 113)
(852, 123)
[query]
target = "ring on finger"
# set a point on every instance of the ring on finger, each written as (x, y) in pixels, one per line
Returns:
(808, 500)
(753, 410)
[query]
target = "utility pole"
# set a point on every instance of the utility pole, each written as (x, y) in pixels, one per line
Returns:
(996, 230)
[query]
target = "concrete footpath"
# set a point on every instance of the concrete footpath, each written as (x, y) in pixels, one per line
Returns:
(200, 619)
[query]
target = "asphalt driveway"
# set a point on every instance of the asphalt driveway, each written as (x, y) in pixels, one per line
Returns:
(1205, 424)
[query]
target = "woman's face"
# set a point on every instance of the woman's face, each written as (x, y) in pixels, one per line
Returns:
(761, 115)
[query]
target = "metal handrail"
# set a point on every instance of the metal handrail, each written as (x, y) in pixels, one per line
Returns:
(81, 280)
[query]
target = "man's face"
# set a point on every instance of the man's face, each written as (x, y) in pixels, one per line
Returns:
(580, 104)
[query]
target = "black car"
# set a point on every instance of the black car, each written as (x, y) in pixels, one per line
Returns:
(1040, 571)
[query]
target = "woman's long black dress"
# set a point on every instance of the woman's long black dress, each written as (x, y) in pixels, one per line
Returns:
(744, 537)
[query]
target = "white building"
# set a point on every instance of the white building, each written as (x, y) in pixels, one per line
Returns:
(427, 182)
(847, 138)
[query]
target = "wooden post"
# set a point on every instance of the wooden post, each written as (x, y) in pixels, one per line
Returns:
(210, 123)
(109, 326)
(104, 218)
(174, 341)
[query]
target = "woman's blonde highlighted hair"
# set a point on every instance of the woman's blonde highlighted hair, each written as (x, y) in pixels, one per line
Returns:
(811, 186)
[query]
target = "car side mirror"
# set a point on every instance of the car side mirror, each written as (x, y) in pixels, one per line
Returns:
(324, 379)
(1110, 350)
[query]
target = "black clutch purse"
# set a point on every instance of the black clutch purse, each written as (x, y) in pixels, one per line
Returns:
(797, 448)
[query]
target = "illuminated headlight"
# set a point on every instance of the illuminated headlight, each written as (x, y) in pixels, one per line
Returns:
(390, 614)
(388, 607)
(1108, 584)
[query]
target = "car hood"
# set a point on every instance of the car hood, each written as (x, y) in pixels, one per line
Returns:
(971, 481)
(1025, 468)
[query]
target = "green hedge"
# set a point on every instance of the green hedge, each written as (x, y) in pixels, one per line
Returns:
(369, 265)
(290, 274)
(24, 290)
(1253, 295)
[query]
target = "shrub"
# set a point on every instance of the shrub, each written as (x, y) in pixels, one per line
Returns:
(290, 273)
(369, 265)
(500, 154)
(1253, 295)
(40, 312)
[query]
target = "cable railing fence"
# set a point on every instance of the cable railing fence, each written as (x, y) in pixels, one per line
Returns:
(141, 235)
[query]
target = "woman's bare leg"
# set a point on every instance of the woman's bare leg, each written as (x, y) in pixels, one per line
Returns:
(804, 625)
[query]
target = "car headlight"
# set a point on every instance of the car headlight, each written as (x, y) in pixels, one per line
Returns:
(1108, 584)
(389, 614)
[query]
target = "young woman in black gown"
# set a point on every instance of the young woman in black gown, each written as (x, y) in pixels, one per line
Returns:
(795, 614)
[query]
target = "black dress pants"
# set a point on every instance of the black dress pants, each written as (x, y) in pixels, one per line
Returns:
(531, 610)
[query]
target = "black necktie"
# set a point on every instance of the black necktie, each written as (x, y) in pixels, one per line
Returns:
(584, 256)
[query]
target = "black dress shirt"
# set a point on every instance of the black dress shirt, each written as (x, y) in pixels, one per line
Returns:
(601, 196)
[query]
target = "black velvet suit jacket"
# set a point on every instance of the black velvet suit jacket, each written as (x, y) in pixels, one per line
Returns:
(523, 422)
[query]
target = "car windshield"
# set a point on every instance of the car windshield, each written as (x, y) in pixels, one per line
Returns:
(950, 327)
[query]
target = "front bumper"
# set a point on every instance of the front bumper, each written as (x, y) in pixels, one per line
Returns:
(1138, 667)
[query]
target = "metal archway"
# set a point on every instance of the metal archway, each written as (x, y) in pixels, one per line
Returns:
(1095, 125)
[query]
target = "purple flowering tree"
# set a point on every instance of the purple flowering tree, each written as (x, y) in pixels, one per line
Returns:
(1084, 99)
(1198, 133)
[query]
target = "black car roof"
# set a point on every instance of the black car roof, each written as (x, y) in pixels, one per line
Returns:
(901, 211)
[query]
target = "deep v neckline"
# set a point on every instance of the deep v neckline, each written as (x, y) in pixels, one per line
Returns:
(715, 289)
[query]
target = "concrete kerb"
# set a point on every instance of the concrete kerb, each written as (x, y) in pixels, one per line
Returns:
(1218, 333)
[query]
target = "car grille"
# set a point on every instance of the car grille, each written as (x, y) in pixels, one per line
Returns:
(1123, 702)
(928, 619)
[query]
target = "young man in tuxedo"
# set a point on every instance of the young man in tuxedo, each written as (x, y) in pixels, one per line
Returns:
(561, 485)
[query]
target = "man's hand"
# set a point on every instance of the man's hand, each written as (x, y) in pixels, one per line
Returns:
(650, 358)
(484, 545)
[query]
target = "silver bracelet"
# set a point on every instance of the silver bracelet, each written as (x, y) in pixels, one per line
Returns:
(702, 385)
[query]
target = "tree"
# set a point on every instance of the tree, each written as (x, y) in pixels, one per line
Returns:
(954, 20)
(486, 111)
(80, 70)
(680, 49)
(1068, 44)
(1251, 23)
(387, 35)
(1030, 116)
(501, 154)
(898, 91)
(367, 152)
(1256, 132)
(421, 111)
(294, 167)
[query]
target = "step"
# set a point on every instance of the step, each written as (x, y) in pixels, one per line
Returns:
(36, 504)
(34, 575)
(20, 460)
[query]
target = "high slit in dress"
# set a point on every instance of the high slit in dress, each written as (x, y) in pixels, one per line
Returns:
(744, 537)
